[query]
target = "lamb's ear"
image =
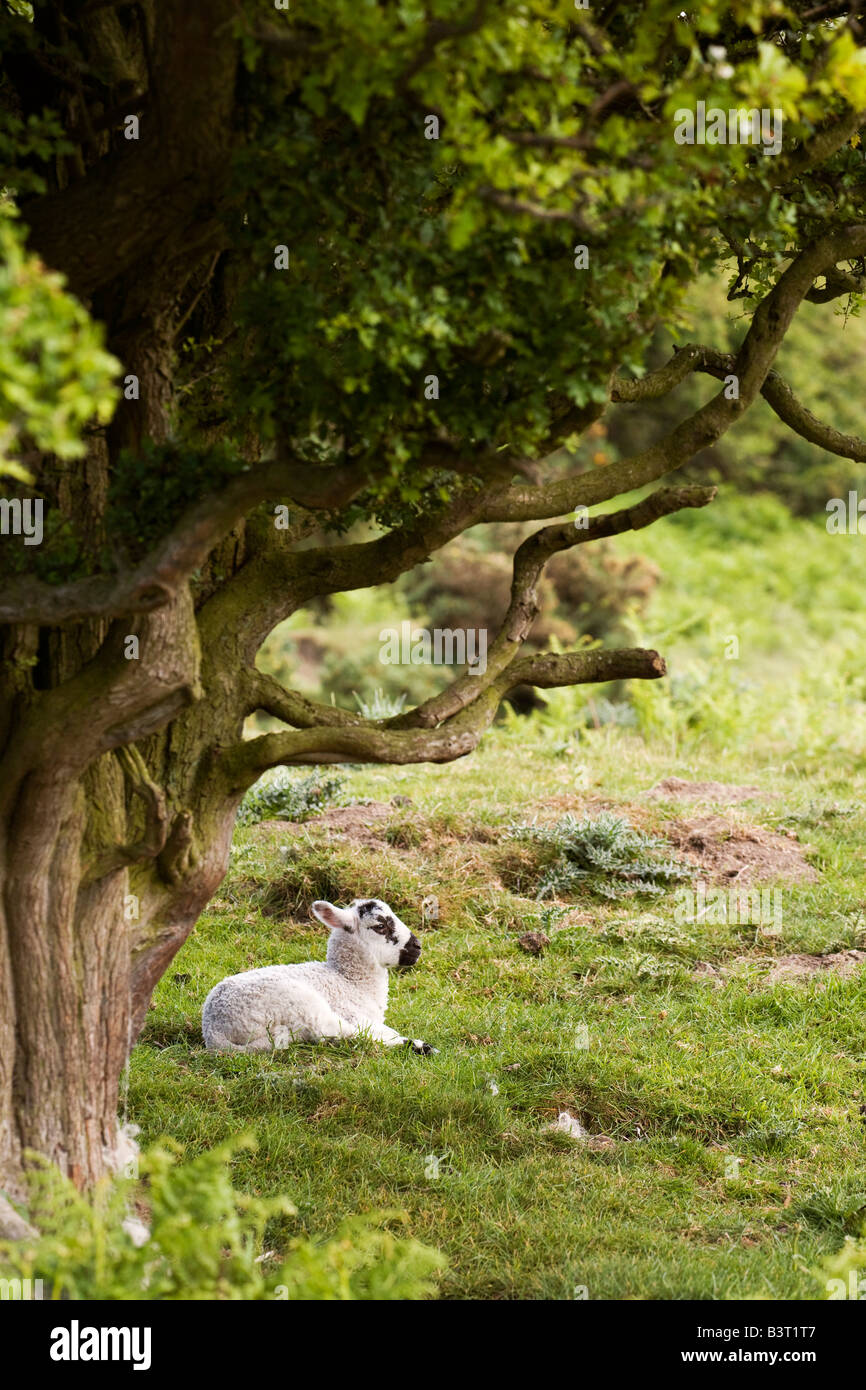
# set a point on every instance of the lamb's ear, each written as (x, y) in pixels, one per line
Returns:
(335, 916)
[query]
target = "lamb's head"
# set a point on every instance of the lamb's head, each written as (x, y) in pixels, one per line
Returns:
(376, 930)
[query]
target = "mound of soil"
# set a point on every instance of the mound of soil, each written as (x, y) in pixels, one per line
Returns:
(729, 853)
(534, 943)
(676, 789)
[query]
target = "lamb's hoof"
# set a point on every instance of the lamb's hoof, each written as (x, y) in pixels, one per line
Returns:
(418, 1046)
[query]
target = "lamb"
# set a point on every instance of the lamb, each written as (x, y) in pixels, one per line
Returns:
(340, 997)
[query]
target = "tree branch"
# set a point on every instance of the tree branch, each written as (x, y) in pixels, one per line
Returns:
(769, 325)
(796, 416)
(159, 576)
(272, 585)
(823, 144)
(529, 562)
(503, 671)
(537, 210)
(775, 390)
(778, 394)
(262, 692)
(245, 762)
(113, 700)
(659, 382)
(837, 283)
(550, 669)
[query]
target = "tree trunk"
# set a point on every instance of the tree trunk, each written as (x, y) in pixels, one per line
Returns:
(66, 990)
(115, 829)
(82, 943)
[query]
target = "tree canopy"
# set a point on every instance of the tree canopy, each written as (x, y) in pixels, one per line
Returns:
(408, 257)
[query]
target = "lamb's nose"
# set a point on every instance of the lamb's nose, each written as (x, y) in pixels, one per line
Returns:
(410, 952)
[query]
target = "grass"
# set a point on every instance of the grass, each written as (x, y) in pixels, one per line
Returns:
(684, 1072)
(679, 1073)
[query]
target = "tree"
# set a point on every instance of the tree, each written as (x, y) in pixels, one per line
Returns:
(355, 263)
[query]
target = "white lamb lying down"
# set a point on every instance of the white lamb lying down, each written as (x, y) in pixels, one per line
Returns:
(345, 994)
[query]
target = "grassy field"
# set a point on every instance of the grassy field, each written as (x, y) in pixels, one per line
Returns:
(668, 1040)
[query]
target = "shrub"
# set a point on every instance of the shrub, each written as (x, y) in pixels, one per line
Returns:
(381, 705)
(206, 1241)
(279, 796)
(605, 855)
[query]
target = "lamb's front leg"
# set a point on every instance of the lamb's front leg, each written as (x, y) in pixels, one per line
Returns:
(392, 1039)
(381, 1033)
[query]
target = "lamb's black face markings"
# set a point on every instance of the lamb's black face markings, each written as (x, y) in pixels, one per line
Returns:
(386, 927)
(375, 916)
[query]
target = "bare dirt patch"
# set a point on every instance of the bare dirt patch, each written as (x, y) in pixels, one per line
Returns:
(783, 968)
(802, 967)
(735, 854)
(676, 789)
(395, 824)
(576, 801)
(363, 824)
(704, 969)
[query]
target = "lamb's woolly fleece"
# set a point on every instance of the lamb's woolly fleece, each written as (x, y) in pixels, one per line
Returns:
(343, 995)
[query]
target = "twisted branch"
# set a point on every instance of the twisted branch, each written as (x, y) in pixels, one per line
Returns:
(529, 561)
(458, 736)
(450, 724)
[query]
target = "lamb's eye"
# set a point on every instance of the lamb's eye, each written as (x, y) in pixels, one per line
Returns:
(380, 928)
